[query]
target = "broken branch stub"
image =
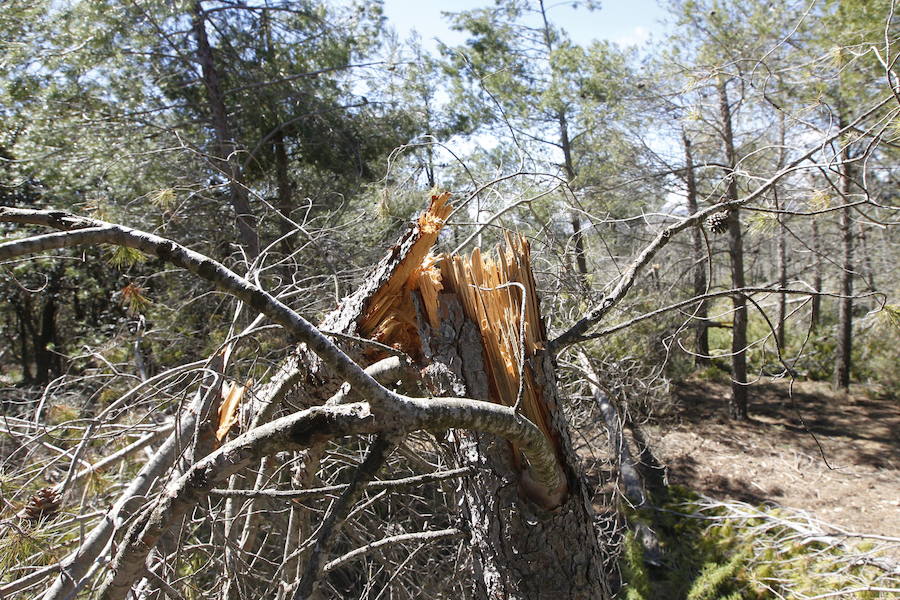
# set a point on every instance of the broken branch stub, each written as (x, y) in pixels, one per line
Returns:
(389, 315)
(498, 295)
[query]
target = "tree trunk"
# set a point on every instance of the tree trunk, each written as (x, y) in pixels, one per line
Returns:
(429, 147)
(842, 359)
(578, 238)
(569, 167)
(568, 163)
(285, 192)
(23, 318)
(521, 550)
(738, 402)
(868, 274)
(780, 329)
(699, 259)
(226, 161)
(816, 307)
(464, 320)
(46, 360)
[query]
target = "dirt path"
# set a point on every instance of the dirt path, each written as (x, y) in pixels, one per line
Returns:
(774, 458)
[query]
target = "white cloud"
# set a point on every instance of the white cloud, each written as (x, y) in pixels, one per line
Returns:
(636, 37)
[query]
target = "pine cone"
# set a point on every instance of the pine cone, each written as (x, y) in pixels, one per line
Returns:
(718, 222)
(42, 505)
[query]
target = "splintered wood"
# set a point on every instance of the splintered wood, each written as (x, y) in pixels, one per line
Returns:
(390, 315)
(497, 293)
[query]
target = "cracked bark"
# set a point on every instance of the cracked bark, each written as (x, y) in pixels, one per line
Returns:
(520, 550)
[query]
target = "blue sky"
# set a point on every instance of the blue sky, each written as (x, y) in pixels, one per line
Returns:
(622, 21)
(625, 22)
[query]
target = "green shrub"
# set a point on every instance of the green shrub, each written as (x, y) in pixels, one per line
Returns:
(722, 551)
(633, 570)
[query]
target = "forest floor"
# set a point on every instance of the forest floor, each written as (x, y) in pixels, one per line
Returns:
(834, 455)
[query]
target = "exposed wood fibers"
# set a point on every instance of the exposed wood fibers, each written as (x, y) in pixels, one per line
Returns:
(232, 394)
(492, 291)
(390, 314)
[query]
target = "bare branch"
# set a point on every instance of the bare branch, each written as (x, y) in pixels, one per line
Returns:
(694, 299)
(388, 484)
(596, 314)
(420, 536)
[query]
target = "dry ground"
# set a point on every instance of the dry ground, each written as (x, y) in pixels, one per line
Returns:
(834, 455)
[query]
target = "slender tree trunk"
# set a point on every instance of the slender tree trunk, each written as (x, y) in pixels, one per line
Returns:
(699, 259)
(780, 328)
(46, 361)
(842, 361)
(285, 192)
(816, 307)
(23, 316)
(429, 147)
(780, 331)
(226, 161)
(568, 164)
(429, 166)
(868, 269)
(738, 401)
(569, 168)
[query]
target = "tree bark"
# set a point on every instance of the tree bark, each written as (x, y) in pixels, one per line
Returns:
(816, 307)
(780, 327)
(225, 160)
(737, 406)
(699, 259)
(520, 550)
(780, 330)
(842, 359)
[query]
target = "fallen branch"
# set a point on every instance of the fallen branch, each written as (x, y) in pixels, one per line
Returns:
(388, 484)
(310, 427)
(420, 536)
(323, 541)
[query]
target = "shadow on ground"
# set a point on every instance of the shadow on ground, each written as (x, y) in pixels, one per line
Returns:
(836, 455)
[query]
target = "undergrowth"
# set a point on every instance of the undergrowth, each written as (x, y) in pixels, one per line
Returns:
(734, 551)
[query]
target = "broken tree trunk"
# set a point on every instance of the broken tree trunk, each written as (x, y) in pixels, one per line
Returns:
(462, 321)
(474, 328)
